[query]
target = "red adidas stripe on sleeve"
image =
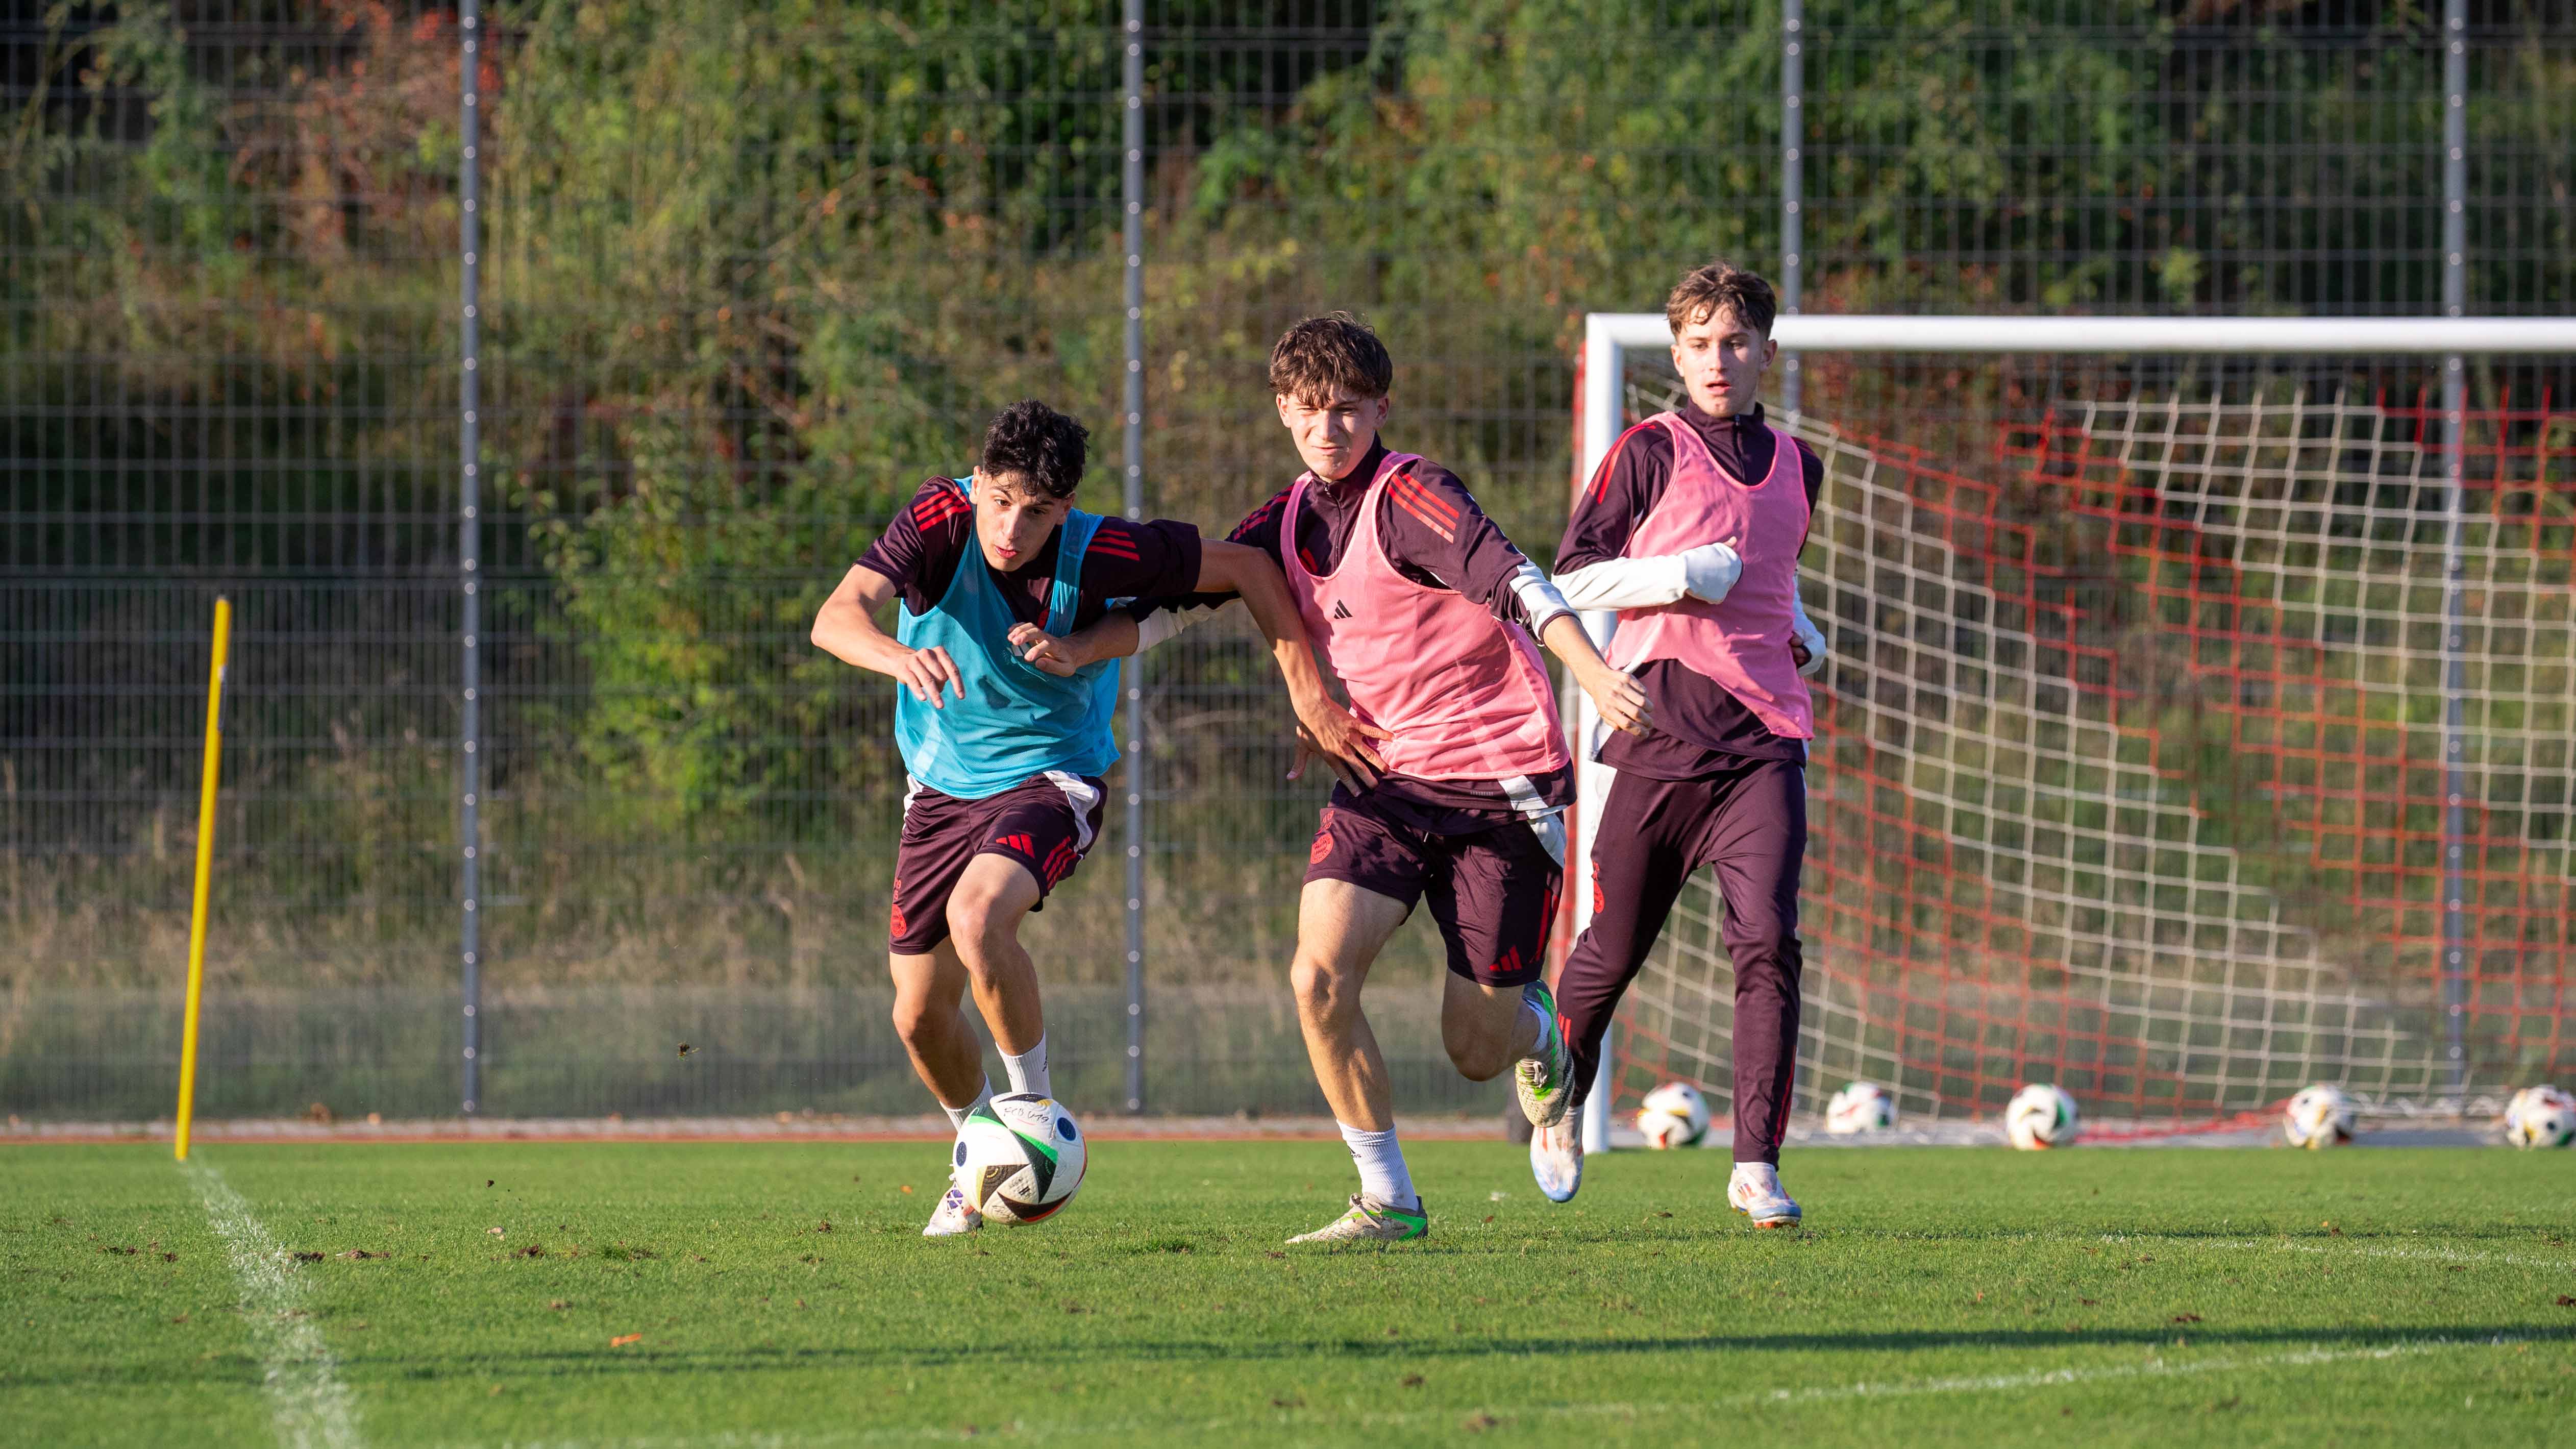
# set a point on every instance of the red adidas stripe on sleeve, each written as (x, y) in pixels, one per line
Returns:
(1260, 518)
(1115, 541)
(1413, 498)
(938, 508)
(1601, 475)
(1429, 495)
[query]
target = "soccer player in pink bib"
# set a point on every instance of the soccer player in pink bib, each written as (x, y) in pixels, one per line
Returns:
(1427, 614)
(1691, 530)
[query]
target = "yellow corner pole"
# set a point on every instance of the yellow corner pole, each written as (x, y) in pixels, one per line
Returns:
(205, 870)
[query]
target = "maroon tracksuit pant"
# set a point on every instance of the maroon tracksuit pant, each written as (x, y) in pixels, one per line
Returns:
(1750, 823)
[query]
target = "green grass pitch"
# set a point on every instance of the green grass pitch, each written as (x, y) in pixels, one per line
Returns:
(691, 1294)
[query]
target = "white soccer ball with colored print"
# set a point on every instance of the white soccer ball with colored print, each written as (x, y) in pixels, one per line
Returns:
(2041, 1116)
(1673, 1115)
(2320, 1116)
(2542, 1116)
(1860, 1107)
(1019, 1158)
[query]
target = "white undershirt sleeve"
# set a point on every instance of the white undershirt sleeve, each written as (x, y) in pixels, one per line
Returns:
(1625, 583)
(1164, 625)
(1539, 598)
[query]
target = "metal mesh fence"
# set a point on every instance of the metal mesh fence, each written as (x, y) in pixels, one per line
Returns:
(750, 272)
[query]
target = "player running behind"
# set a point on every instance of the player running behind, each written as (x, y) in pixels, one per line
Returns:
(1005, 759)
(1425, 611)
(1691, 530)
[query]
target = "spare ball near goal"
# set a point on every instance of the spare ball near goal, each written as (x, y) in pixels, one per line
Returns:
(2319, 1116)
(2542, 1116)
(1019, 1158)
(2041, 1116)
(1860, 1107)
(1673, 1115)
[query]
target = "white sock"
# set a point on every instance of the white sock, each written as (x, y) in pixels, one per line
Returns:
(1383, 1177)
(1761, 1172)
(957, 1115)
(1530, 1009)
(1028, 1070)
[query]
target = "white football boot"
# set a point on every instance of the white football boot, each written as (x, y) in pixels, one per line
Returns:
(954, 1216)
(1556, 1158)
(1755, 1191)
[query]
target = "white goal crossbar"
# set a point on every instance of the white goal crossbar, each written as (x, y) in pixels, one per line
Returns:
(1610, 336)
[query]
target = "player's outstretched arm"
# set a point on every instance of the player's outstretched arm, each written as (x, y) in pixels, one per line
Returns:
(1323, 726)
(1707, 572)
(846, 628)
(1619, 699)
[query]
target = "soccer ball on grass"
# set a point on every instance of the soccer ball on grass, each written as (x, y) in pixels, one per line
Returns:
(1019, 1158)
(2319, 1116)
(2542, 1116)
(1860, 1107)
(1673, 1115)
(2040, 1116)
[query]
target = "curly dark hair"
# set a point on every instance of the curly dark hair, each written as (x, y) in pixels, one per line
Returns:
(1039, 446)
(1336, 352)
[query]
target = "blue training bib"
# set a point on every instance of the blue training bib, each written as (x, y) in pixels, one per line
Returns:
(1016, 720)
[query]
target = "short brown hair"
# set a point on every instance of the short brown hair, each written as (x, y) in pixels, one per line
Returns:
(1720, 284)
(1330, 354)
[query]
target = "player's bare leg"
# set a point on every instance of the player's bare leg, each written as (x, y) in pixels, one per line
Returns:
(1486, 1028)
(984, 913)
(928, 993)
(1340, 929)
(928, 1015)
(1491, 1029)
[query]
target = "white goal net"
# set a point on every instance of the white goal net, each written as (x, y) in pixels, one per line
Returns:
(2199, 724)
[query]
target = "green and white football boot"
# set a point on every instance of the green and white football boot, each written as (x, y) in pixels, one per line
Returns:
(1541, 1079)
(1369, 1221)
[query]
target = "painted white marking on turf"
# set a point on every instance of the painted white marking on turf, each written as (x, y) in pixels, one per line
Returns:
(2155, 1368)
(2356, 1250)
(312, 1408)
(2430, 1255)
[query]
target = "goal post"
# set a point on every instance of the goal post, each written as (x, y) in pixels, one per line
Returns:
(2198, 716)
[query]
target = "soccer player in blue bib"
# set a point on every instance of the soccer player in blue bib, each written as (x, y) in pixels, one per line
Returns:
(1006, 729)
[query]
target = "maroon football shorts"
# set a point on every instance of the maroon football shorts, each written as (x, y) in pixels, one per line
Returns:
(1046, 823)
(1492, 892)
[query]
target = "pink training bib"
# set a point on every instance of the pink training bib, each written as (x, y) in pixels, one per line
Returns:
(1462, 694)
(1742, 643)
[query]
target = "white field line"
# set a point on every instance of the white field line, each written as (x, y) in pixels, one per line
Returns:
(2154, 1368)
(2426, 1255)
(313, 1409)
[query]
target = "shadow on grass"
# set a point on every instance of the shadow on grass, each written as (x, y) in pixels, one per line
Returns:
(646, 1361)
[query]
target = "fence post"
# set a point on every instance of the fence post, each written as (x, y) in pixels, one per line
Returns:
(1133, 235)
(469, 547)
(1793, 145)
(2455, 240)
